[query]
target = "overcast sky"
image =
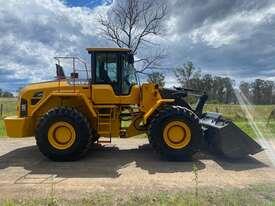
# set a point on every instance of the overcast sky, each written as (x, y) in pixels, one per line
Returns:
(226, 37)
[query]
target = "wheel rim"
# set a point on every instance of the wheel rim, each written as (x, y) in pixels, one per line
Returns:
(61, 135)
(177, 134)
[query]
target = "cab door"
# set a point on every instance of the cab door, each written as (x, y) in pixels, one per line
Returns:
(113, 80)
(105, 87)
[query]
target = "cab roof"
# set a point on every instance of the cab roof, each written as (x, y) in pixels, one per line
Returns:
(90, 50)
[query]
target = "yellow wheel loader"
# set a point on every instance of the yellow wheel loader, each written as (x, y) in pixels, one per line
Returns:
(87, 105)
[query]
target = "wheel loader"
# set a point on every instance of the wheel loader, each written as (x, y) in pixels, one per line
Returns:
(85, 105)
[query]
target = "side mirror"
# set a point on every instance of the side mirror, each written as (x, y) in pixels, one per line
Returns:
(74, 75)
(131, 59)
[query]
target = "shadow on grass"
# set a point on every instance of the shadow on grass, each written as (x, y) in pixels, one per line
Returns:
(106, 162)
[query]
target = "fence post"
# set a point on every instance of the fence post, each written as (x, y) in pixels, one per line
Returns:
(1, 110)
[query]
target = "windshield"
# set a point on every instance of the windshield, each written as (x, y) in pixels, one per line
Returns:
(128, 76)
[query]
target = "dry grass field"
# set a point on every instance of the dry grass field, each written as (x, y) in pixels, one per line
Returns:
(8, 108)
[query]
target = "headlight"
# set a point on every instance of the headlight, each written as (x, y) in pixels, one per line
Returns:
(23, 108)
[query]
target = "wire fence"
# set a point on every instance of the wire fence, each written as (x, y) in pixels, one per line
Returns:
(7, 108)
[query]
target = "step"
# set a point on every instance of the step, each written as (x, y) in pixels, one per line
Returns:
(104, 123)
(104, 115)
(104, 132)
(105, 106)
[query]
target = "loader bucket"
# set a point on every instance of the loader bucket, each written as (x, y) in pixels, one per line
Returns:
(224, 138)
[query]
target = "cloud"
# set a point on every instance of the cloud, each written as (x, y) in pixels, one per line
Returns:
(33, 32)
(230, 30)
(231, 38)
(191, 15)
(234, 38)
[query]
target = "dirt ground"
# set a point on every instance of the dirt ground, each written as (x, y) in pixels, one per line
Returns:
(125, 166)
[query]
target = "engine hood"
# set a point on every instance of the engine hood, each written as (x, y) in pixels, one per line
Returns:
(42, 87)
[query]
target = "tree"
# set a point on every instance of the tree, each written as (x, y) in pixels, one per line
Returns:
(229, 90)
(207, 85)
(259, 91)
(186, 73)
(4, 93)
(257, 86)
(218, 88)
(267, 91)
(245, 89)
(7, 94)
(132, 23)
(157, 78)
(273, 94)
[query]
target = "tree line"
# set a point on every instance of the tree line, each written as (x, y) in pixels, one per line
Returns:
(5, 93)
(219, 89)
(259, 91)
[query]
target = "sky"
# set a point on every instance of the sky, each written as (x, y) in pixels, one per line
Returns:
(233, 38)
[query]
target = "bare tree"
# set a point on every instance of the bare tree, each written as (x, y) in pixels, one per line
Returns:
(157, 78)
(186, 73)
(132, 23)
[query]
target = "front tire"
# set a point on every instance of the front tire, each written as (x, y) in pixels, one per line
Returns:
(175, 133)
(63, 134)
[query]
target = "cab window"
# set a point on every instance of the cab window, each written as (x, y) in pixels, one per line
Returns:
(106, 68)
(128, 76)
(116, 70)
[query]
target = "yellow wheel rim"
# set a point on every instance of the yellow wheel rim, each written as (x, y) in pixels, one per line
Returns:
(177, 134)
(61, 135)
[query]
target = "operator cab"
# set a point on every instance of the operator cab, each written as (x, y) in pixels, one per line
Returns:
(114, 67)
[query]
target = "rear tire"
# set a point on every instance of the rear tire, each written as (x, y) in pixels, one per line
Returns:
(180, 125)
(64, 134)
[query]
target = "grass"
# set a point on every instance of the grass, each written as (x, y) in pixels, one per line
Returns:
(267, 131)
(8, 108)
(260, 115)
(244, 125)
(252, 195)
(235, 113)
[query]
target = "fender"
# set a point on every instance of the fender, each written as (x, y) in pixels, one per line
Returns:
(86, 101)
(25, 126)
(156, 106)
